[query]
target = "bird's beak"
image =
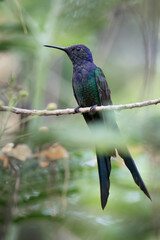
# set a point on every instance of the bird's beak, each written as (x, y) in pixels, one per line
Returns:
(61, 48)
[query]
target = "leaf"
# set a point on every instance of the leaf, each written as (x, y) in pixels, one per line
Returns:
(56, 151)
(43, 163)
(7, 148)
(4, 159)
(21, 152)
(5, 162)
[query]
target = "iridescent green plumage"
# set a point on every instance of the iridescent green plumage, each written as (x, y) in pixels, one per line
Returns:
(86, 91)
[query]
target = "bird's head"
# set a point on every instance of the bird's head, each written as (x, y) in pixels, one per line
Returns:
(77, 53)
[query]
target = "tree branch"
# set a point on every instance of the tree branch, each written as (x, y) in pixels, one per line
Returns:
(81, 110)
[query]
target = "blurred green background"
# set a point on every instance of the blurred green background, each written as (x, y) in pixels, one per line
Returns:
(62, 201)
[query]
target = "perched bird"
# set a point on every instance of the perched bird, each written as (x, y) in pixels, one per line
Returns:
(90, 90)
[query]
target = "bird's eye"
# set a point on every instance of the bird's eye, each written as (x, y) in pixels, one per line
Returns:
(78, 48)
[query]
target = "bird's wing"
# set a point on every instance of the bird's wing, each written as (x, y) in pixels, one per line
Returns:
(105, 99)
(103, 89)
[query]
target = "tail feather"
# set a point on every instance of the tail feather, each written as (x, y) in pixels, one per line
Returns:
(104, 169)
(104, 164)
(129, 162)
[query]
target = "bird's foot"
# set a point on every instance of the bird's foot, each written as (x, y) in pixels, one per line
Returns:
(93, 108)
(76, 110)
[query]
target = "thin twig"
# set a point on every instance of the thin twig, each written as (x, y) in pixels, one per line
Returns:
(65, 186)
(21, 17)
(81, 110)
(17, 185)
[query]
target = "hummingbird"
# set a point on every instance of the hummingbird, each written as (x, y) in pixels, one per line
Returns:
(90, 90)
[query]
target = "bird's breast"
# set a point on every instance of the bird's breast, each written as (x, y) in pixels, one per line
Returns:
(85, 88)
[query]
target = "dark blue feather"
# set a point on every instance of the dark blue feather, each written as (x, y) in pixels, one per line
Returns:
(104, 169)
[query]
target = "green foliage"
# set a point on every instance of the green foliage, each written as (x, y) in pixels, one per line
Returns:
(41, 201)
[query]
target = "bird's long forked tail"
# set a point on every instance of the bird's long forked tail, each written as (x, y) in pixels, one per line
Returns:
(104, 169)
(129, 162)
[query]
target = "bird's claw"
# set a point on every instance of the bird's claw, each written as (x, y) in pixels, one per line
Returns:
(76, 110)
(93, 108)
